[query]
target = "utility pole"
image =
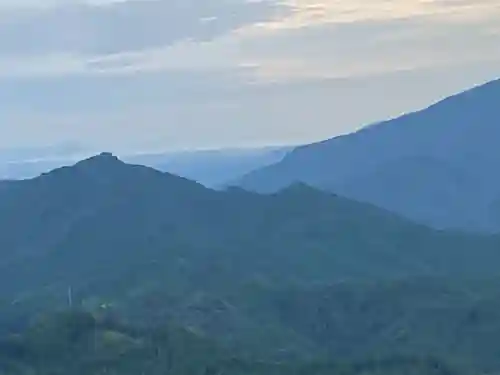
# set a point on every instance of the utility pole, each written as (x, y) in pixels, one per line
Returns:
(70, 297)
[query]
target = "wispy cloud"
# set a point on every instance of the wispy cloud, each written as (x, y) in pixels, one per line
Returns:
(338, 38)
(280, 39)
(316, 12)
(223, 70)
(89, 29)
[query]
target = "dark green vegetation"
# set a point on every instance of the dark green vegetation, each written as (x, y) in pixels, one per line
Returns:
(76, 342)
(300, 281)
(437, 166)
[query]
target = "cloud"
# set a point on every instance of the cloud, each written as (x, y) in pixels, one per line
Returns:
(184, 110)
(315, 12)
(336, 38)
(192, 73)
(114, 27)
(270, 40)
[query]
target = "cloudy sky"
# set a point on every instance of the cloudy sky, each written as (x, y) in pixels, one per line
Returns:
(138, 74)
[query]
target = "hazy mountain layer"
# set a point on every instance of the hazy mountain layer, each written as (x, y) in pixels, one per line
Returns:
(437, 166)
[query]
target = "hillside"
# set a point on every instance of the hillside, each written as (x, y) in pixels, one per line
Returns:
(103, 212)
(255, 275)
(454, 320)
(437, 166)
(78, 342)
(81, 343)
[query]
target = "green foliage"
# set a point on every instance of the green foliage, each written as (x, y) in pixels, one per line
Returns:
(78, 344)
(249, 284)
(75, 341)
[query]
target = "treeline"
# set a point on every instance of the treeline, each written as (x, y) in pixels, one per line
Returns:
(80, 343)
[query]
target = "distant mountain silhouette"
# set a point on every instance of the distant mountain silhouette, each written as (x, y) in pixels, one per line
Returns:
(213, 168)
(96, 219)
(438, 166)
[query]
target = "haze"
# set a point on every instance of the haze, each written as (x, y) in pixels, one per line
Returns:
(129, 75)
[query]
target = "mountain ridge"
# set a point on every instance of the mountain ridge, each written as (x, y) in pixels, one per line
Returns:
(154, 247)
(459, 133)
(103, 192)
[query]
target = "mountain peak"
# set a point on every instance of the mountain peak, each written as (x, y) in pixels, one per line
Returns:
(108, 168)
(103, 157)
(104, 164)
(104, 160)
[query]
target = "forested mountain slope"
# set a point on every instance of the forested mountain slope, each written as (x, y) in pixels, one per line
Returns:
(437, 166)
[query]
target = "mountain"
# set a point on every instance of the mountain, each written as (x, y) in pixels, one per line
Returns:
(233, 267)
(437, 166)
(70, 224)
(213, 168)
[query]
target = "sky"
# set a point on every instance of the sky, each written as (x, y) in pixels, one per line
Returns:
(181, 74)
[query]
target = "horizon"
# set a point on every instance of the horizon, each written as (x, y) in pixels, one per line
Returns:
(80, 150)
(230, 73)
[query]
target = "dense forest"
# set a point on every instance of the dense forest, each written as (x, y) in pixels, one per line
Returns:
(77, 342)
(111, 268)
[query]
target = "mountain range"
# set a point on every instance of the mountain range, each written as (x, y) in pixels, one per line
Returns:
(368, 254)
(88, 213)
(437, 166)
(213, 168)
(261, 274)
